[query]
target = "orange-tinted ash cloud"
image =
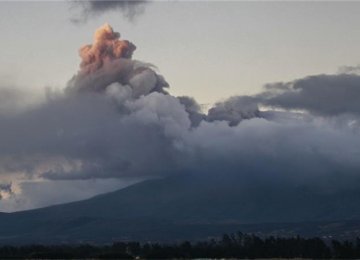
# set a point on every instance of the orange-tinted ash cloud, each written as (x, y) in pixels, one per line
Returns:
(107, 46)
(108, 61)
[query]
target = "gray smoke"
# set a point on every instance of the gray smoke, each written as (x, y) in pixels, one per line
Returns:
(130, 9)
(234, 110)
(326, 95)
(107, 61)
(193, 109)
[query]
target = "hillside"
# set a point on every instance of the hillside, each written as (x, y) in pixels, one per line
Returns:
(187, 207)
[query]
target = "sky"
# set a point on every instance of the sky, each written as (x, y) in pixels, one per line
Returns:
(280, 80)
(237, 46)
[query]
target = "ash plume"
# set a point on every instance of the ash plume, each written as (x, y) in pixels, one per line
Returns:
(115, 119)
(107, 46)
(193, 109)
(234, 110)
(326, 95)
(109, 60)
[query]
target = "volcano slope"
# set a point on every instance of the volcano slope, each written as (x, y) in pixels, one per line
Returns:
(190, 207)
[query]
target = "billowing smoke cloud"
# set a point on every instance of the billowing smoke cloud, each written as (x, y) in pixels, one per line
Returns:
(91, 8)
(15, 100)
(327, 95)
(107, 61)
(98, 127)
(107, 47)
(115, 120)
(234, 110)
(193, 109)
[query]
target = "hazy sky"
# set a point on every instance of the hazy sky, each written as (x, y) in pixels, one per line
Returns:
(233, 47)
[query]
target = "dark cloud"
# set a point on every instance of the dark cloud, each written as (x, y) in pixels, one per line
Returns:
(91, 137)
(327, 95)
(193, 109)
(14, 100)
(234, 110)
(129, 8)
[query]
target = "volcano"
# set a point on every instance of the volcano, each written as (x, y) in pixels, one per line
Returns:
(187, 206)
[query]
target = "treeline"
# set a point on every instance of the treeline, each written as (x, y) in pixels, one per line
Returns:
(229, 246)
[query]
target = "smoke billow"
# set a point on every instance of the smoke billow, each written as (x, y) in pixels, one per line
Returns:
(193, 109)
(116, 120)
(92, 8)
(326, 95)
(107, 47)
(108, 60)
(234, 110)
